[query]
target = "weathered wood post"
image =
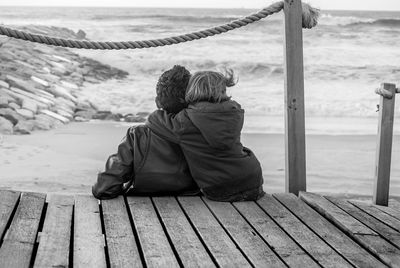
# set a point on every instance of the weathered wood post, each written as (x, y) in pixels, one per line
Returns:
(294, 98)
(384, 144)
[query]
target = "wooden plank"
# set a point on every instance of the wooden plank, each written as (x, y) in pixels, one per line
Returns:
(8, 201)
(382, 249)
(390, 210)
(340, 217)
(394, 204)
(384, 147)
(121, 244)
(224, 251)
(378, 214)
(294, 98)
(290, 252)
(188, 246)
(155, 246)
(88, 236)
(376, 225)
(54, 243)
(343, 244)
(17, 247)
(256, 250)
(306, 238)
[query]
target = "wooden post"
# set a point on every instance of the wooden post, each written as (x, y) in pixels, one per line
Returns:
(384, 145)
(294, 98)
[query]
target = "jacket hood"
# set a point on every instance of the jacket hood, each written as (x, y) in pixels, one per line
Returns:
(219, 123)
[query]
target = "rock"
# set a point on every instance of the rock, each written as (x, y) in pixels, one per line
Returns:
(91, 80)
(24, 127)
(11, 115)
(56, 65)
(65, 103)
(3, 102)
(87, 114)
(64, 113)
(45, 121)
(69, 85)
(40, 81)
(82, 105)
(42, 124)
(113, 117)
(61, 58)
(101, 115)
(80, 34)
(134, 118)
(80, 119)
(56, 116)
(6, 127)
(59, 91)
(30, 105)
(25, 113)
(20, 94)
(142, 114)
(19, 83)
(4, 84)
(14, 105)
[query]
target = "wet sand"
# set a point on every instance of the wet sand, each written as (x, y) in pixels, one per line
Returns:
(67, 159)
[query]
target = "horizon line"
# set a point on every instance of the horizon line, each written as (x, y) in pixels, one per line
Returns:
(184, 7)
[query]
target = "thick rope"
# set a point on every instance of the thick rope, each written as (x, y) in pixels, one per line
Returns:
(310, 16)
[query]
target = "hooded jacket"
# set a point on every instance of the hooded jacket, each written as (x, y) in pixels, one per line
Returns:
(154, 165)
(209, 135)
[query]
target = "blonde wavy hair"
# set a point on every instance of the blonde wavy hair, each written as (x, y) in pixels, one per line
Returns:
(210, 86)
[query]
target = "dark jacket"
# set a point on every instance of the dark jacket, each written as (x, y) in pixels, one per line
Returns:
(209, 135)
(156, 166)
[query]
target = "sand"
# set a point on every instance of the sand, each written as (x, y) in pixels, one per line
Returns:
(67, 159)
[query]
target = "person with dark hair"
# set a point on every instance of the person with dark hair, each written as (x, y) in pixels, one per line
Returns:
(146, 163)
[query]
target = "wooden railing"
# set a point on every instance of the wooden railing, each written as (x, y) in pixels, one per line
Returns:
(295, 145)
(295, 158)
(384, 144)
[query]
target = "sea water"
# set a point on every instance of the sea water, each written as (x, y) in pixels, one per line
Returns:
(347, 56)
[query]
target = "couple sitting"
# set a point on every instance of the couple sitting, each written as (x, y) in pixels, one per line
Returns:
(190, 145)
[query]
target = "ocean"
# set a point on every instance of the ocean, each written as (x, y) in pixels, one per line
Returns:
(347, 56)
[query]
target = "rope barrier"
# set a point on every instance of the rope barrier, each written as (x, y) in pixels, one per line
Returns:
(309, 20)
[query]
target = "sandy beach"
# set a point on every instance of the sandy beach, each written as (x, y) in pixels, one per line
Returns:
(67, 159)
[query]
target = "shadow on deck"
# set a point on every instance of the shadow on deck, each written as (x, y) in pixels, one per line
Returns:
(277, 231)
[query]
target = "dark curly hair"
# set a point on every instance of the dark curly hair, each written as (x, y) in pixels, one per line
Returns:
(171, 89)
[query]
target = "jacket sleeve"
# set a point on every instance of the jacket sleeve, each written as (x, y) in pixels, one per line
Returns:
(118, 170)
(167, 125)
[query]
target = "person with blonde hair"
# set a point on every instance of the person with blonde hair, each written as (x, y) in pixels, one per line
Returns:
(208, 132)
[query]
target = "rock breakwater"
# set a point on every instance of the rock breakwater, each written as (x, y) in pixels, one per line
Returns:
(41, 86)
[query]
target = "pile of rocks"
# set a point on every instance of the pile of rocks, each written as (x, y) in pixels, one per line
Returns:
(40, 85)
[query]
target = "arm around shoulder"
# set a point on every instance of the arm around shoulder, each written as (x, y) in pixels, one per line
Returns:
(166, 125)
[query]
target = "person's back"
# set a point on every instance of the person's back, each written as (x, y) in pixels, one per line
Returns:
(146, 162)
(208, 132)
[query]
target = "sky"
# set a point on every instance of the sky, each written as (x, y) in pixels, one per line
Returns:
(323, 4)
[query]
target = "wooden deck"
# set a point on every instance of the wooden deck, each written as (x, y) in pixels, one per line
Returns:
(277, 231)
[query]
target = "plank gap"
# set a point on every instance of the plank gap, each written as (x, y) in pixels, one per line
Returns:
(71, 240)
(167, 234)
(103, 230)
(40, 229)
(197, 233)
(135, 234)
(283, 230)
(226, 231)
(255, 232)
(357, 236)
(368, 223)
(312, 229)
(10, 219)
